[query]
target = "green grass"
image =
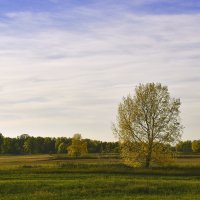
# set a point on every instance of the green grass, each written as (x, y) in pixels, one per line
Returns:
(95, 177)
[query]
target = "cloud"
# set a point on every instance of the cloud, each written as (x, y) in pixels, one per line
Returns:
(67, 72)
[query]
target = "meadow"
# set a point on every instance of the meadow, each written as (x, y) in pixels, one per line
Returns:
(58, 177)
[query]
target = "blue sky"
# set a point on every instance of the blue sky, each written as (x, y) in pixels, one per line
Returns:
(65, 65)
(142, 6)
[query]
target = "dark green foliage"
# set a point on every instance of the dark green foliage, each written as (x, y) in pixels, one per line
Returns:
(25, 144)
(62, 140)
(29, 145)
(49, 145)
(184, 147)
(95, 146)
(39, 146)
(1, 142)
(62, 148)
(8, 146)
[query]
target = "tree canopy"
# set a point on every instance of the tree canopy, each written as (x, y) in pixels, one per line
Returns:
(196, 146)
(147, 123)
(78, 146)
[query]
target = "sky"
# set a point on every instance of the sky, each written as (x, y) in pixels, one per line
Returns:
(66, 64)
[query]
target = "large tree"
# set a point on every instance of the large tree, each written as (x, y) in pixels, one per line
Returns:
(147, 123)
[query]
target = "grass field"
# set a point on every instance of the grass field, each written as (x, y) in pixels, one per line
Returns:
(96, 177)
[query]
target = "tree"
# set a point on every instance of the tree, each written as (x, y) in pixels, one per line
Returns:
(1, 141)
(24, 136)
(78, 146)
(29, 145)
(184, 146)
(147, 123)
(62, 148)
(7, 146)
(49, 146)
(39, 145)
(60, 140)
(196, 146)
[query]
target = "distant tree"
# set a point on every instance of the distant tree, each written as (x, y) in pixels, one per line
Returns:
(57, 143)
(196, 146)
(62, 148)
(114, 147)
(49, 145)
(24, 136)
(16, 146)
(93, 146)
(7, 146)
(184, 146)
(1, 142)
(60, 140)
(146, 123)
(78, 146)
(29, 145)
(39, 145)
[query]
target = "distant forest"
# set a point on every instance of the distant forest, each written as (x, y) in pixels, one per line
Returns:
(25, 144)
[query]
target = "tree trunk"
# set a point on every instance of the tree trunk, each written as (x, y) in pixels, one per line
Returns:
(148, 160)
(148, 157)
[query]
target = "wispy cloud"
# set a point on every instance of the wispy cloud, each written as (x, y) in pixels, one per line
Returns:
(66, 72)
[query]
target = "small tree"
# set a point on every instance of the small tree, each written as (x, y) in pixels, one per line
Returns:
(62, 148)
(78, 146)
(196, 146)
(147, 123)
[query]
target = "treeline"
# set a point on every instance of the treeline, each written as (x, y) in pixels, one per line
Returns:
(25, 144)
(188, 146)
